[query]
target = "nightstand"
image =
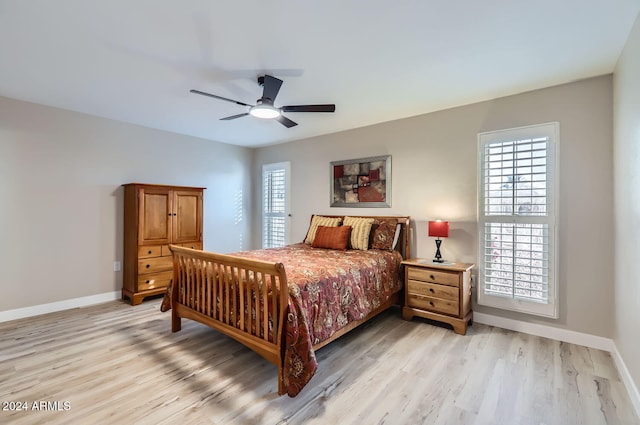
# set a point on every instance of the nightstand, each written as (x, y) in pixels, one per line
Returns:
(438, 291)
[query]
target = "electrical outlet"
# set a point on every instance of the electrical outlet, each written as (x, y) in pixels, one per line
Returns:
(116, 266)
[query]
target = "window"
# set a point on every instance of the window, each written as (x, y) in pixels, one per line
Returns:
(275, 205)
(517, 219)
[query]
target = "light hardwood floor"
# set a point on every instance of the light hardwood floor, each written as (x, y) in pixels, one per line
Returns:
(117, 364)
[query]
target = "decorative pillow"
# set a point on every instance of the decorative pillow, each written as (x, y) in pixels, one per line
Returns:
(318, 220)
(384, 235)
(360, 229)
(332, 237)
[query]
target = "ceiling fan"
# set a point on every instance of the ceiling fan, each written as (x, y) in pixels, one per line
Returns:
(264, 107)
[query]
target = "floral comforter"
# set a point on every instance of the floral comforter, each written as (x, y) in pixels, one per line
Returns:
(327, 290)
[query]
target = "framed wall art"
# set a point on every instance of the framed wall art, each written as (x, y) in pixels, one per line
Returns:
(362, 182)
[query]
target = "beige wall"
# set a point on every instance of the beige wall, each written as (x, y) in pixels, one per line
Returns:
(61, 203)
(627, 203)
(434, 163)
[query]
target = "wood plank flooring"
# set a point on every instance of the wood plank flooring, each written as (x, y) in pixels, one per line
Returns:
(117, 364)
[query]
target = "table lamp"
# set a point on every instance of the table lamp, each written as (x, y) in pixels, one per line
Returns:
(438, 229)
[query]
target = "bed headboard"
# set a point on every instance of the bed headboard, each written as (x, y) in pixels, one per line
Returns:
(403, 246)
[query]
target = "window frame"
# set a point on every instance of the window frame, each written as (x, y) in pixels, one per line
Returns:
(286, 166)
(551, 219)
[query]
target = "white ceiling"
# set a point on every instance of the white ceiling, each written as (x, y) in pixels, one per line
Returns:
(136, 60)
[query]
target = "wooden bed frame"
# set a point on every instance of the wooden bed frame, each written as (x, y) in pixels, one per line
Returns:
(238, 282)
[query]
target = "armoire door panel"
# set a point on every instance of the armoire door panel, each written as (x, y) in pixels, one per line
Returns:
(188, 218)
(155, 217)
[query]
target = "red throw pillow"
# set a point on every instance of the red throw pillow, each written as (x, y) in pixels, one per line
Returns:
(332, 237)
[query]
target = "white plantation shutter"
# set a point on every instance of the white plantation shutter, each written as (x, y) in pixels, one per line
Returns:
(517, 219)
(275, 204)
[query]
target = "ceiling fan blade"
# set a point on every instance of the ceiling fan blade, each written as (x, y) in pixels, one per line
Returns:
(233, 117)
(271, 87)
(219, 97)
(286, 121)
(309, 108)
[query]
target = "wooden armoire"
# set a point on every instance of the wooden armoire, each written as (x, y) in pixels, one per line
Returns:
(154, 217)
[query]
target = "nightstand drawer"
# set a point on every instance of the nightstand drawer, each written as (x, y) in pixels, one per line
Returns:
(417, 287)
(434, 276)
(433, 304)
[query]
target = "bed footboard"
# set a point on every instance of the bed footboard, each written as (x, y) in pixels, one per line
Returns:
(242, 298)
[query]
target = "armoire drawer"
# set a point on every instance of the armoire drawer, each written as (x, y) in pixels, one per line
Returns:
(192, 245)
(154, 280)
(155, 264)
(148, 251)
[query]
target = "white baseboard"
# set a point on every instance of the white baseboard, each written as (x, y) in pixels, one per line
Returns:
(632, 389)
(545, 331)
(578, 338)
(36, 310)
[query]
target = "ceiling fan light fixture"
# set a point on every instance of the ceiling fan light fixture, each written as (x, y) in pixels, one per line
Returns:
(264, 111)
(264, 107)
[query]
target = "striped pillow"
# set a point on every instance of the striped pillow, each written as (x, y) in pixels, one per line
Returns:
(360, 229)
(332, 237)
(318, 220)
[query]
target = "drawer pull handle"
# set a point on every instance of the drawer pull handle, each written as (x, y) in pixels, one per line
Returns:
(431, 290)
(431, 303)
(432, 277)
(148, 265)
(149, 252)
(148, 281)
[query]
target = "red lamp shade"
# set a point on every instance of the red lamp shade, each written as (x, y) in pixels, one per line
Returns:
(439, 229)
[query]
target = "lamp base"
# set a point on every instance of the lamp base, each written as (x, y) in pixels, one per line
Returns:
(438, 258)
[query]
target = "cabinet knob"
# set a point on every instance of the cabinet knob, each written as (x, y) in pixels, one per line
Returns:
(148, 265)
(432, 277)
(169, 214)
(431, 303)
(149, 252)
(148, 281)
(431, 290)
